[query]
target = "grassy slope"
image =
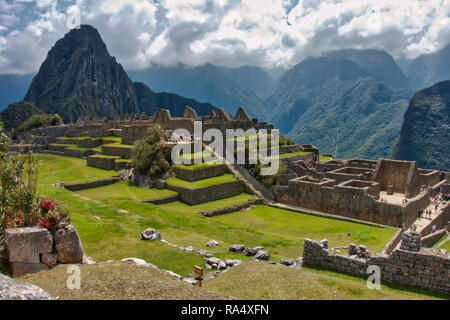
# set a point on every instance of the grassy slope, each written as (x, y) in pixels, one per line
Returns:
(255, 280)
(118, 281)
(201, 183)
(124, 191)
(110, 226)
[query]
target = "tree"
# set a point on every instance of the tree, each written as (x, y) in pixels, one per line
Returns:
(151, 156)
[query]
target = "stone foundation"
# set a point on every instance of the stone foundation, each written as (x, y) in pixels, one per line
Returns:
(425, 269)
(34, 249)
(211, 193)
(200, 173)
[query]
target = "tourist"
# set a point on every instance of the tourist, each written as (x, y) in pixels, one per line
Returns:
(420, 214)
(433, 228)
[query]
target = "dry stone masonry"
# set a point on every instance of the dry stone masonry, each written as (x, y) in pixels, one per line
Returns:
(34, 249)
(410, 266)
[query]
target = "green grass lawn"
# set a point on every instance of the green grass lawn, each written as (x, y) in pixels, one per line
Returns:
(261, 281)
(119, 145)
(198, 166)
(70, 170)
(124, 191)
(110, 222)
(201, 183)
(92, 138)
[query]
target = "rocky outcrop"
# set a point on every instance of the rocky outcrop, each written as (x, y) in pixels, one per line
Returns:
(14, 290)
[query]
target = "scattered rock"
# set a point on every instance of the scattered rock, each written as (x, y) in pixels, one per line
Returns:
(68, 245)
(212, 244)
(324, 243)
(14, 290)
(208, 255)
(213, 261)
(232, 263)
(262, 255)
(288, 262)
(135, 261)
(237, 248)
(88, 260)
(250, 252)
(222, 265)
(49, 259)
(151, 234)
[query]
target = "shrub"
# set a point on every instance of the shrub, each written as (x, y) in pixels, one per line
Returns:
(151, 156)
(19, 203)
(269, 180)
(38, 121)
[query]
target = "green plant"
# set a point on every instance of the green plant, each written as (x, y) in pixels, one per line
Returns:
(151, 156)
(270, 179)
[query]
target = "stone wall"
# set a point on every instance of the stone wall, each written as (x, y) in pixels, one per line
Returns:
(89, 185)
(101, 162)
(211, 193)
(227, 210)
(200, 173)
(57, 131)
(431, 239)
(34, 249)
(131, 133)
(121, 151)
(402, 175)
(425, 269)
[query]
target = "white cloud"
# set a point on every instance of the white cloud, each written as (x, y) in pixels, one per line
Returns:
(227, 32)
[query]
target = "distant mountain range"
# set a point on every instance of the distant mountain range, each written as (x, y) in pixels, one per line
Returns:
(223, 87)
(350, 103)
(428, 69)
(425, 134)
(338, 106)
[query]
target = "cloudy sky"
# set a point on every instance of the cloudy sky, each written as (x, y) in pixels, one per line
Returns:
(267, 33)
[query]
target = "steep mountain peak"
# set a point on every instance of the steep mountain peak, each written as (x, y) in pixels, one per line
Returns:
(379, 64)
(80, 77)
(425, 134)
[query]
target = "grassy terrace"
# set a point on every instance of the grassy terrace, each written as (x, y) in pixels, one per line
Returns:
(105, 156)
(119, 145)
(110, 221)
(74, 147)
(92, 138)
(201, 183)
(197, 166)
(196, 155)
(124, 191)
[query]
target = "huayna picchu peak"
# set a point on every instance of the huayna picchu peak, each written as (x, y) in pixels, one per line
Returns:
(80, 78)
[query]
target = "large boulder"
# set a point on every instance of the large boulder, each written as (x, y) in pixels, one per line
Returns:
(212, 244)
(262, 255)
(14, 290)
(68, 245)
(25, 245)
(237, 248)
(151, 234)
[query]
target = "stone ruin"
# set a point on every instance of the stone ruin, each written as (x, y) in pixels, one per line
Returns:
(410, 265)
(33, 249)
(362, 189)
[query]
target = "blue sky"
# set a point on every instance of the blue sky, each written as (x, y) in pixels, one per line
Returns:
(267, 33)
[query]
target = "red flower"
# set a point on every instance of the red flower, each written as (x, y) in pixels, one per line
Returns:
(47, 205)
